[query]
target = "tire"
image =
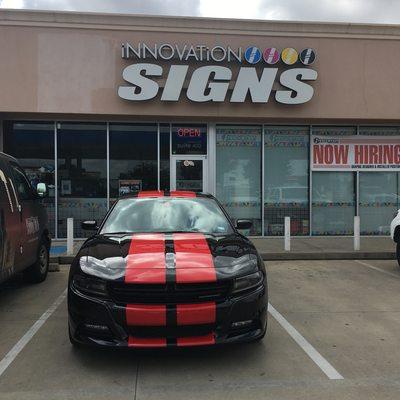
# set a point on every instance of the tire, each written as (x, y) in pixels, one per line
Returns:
(37, 272)
(398, 253)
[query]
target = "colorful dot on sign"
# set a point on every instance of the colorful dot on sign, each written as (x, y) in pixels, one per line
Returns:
(289, 56)
(271, 55)
(252, 55)
(307, 56)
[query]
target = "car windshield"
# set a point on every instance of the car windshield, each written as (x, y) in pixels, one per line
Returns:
(167, 215)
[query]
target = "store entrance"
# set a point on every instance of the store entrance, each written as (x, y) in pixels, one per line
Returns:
(189, 173)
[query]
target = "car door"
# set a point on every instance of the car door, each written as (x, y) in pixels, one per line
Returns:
(9, 225)
(28, 213)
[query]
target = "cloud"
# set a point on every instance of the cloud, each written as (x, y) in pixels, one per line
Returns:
(378, 11)
(372, 11)
(158, 7)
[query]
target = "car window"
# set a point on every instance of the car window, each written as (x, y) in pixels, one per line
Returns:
(167, 214)
(22, 185)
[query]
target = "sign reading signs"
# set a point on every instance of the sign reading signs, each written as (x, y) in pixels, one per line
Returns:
(189, 139)
(210, 82)
(355, 153)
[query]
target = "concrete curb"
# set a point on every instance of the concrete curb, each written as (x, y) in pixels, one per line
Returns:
(336, 255)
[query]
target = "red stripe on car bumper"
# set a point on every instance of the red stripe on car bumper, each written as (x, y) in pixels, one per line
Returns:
(151, 193)
(146, 342)
(146, 259)
(182, 193)
(194, 314)
(196, 340)
(146, 315)
(193, 259)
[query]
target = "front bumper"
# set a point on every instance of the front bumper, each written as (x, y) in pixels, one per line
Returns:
(98, 322)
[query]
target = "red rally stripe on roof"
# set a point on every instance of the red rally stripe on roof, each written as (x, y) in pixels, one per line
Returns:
(146, 342)
(151, 193)
(146, 259)
(146, 315)
(193, 259)
(182, 193)
(195, 314)
(196, 340)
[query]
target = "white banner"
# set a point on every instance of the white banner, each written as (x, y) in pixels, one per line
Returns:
(355, 153)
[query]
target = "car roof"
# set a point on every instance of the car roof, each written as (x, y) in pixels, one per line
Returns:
(166, 193)
(5, 156)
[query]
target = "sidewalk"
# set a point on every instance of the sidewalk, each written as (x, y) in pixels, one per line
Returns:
(305, 248)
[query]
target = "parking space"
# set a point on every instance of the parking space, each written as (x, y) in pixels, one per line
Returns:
(347, 312)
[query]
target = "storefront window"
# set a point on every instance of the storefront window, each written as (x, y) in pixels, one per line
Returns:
(33, 145)
(238, 174)
(133, 158)
(165, 151)
(82, 174)
(286, 168)
(379, 191)
(378, 201)
(333, 202)
(333, 193)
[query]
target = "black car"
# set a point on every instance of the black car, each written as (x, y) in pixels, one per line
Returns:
(24, 234)
(167, 269)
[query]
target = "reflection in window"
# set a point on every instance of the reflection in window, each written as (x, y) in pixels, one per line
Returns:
(378, 201)
(286, 177)
(133, 158)
(32, 143)
(379, 191)
(333, 202)
(164, 156)
(82, 174)
(238, 175)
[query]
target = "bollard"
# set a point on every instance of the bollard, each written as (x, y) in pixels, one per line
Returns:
(287, 233)
(357, 233)
(70, 236)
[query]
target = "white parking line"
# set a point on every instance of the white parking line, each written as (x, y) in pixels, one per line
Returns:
(320, 361)
(19, 346)
(377, 269)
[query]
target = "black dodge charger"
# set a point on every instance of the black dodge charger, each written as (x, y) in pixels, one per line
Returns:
(167, 269)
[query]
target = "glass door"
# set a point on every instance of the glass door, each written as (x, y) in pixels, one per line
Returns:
(189, 173)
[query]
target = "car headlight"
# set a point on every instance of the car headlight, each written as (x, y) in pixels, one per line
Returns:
(110, 268)
(90, 286)
(248, 282)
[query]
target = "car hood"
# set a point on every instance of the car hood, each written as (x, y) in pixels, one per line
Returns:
(230, 254)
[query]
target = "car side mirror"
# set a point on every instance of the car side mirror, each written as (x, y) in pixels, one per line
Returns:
(41, 189)
(89, 225)
(243, 224)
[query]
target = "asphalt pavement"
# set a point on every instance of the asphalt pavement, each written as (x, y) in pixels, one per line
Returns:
(333, 334)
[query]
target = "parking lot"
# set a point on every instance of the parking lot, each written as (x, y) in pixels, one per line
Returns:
(333, 334)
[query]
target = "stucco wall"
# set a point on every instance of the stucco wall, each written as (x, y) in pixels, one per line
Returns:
(68, 63)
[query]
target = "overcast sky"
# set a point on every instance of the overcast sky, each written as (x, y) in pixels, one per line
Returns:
(378, 11)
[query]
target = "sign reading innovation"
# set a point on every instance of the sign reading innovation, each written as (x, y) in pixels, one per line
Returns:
(255, 78)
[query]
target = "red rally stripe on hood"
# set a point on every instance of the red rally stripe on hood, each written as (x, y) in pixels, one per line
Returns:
(146, 315)
(196, 340)
(193, 259)
(146, 259)
(196, 314)
(146, 342)
(182, 193)
(151, 193)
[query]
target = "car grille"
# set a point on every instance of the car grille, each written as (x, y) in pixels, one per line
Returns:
(169, 293)
(170, 331)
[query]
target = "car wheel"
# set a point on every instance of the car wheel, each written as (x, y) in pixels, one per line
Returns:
(38, 271)
(398, 253)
